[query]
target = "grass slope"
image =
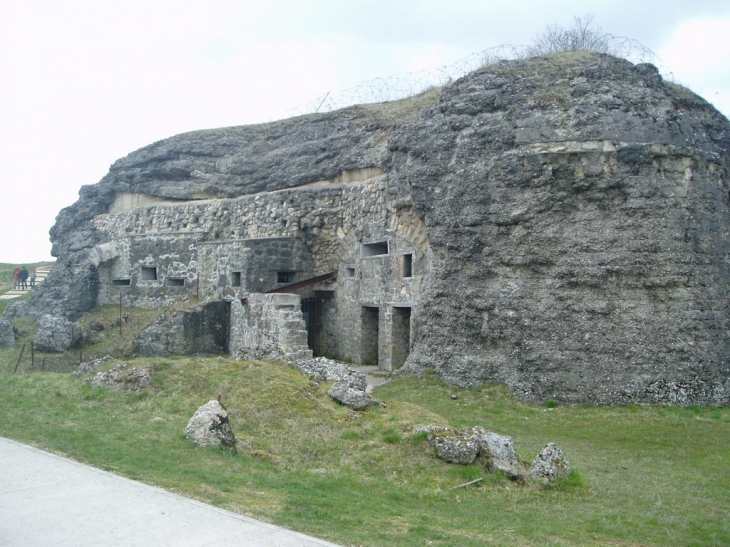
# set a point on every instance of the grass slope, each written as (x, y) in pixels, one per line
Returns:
(646, 476)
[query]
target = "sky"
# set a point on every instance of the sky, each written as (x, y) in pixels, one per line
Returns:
(84, 83)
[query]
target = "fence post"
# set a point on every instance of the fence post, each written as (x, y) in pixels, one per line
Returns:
(19, 358)
(120, 313)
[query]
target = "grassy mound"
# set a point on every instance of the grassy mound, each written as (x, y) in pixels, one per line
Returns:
(646, 476)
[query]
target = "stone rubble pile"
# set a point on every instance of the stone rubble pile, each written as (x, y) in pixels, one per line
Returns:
(350, 387)
(356, 399)
(495, 452)
(324, 369)
(129, 379)
(90, 366)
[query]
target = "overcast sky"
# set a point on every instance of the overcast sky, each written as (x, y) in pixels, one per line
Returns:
(87, 82)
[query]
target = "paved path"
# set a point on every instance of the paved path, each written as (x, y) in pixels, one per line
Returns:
(46, 500)
(41, 273)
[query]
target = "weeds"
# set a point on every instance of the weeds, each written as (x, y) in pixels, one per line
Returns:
(369, 478)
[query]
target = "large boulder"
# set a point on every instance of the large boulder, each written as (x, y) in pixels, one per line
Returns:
(356, 399)
(56, 334)
(466, 446)
(7, 334)
(453, 446)
(209, 426)
(550, 464)
(498, 452)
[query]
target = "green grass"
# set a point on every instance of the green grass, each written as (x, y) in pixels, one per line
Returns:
(644, 476)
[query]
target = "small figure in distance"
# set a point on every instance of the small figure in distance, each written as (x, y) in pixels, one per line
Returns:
(16, 274)
(32, 278)
(24, 278)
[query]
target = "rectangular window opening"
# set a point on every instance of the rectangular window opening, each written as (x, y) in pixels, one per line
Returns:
(121, 282)
(176, 281)
(149, 273)
(285, 277)
(379, 248)
(236, 279)
(407, 266)
(349, 272)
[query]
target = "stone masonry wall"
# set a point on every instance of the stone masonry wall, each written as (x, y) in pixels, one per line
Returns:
(205, 241)
(268, 326)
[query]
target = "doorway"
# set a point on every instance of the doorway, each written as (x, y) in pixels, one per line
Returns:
(369, 344)
(401, 336)
(312, 312)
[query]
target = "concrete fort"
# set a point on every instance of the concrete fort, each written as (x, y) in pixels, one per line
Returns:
(559, 224)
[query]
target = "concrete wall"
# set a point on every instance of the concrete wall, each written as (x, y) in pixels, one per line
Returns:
(268, 326)
(230, 249)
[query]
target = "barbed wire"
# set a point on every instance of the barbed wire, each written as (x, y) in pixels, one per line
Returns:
(400, 86)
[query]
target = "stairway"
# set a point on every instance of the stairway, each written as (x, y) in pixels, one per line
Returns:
(41, 273)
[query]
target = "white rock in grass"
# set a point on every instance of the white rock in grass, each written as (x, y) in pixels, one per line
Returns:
(550, 464)
(209, 426)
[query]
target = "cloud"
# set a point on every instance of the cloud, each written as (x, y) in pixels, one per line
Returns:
(699, 46)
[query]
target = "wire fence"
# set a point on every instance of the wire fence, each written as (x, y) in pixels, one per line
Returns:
(400, 86)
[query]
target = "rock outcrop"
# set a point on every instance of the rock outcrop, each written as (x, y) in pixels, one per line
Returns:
(466, 446)
(321, 369)
(550, 464)
(356, 399)
(559, 224)
(123, 377)
(577, 209)
(210, 426)
(7, 334)
(56, 334)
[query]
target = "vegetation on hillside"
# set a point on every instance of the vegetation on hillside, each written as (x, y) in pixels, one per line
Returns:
(645, 476)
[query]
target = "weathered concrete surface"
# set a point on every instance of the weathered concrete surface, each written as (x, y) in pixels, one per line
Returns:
(49, 500)
(565, 217)
(202, 329)
(577, 209)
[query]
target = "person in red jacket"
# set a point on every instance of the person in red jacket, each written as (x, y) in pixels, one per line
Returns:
(16, 273)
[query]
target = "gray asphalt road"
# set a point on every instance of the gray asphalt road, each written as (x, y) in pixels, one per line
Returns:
(46, 500)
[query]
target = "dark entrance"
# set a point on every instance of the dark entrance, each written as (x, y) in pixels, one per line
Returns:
(312, 312)
(369, 335)
(401, 338)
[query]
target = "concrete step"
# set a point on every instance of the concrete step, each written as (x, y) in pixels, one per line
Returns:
(41, 273)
